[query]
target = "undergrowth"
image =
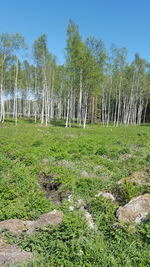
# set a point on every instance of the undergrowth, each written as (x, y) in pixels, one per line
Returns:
(83, 162)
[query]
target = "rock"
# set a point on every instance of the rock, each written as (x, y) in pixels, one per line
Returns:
(139, 178)
(17, 226)
(106, 195)
(11, 254)
(82, 206)
(135, 211)
(81, 203)
(51, 218)
(88, 218)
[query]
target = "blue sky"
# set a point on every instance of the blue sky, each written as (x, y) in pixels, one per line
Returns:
(123, 22)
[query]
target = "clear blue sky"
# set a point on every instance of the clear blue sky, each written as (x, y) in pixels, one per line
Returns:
(123, 22)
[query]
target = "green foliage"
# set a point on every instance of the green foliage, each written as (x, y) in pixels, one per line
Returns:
(144, 230)
(127, 190)
(69, 244)
(103, 211)
(102, 151)
(84, 162)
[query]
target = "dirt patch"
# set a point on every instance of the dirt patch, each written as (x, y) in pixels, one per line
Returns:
(52, 188)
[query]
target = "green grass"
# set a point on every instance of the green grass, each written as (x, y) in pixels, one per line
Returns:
(84, 161)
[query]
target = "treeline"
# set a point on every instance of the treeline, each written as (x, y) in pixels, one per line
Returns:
(92, 86)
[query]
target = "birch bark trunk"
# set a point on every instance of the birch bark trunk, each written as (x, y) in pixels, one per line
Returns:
(15, 111)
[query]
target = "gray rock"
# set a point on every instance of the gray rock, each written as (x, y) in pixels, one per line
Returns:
(88, 218)
(10, 254)
(140, 178)
(81, 203)
(51, 218)
(135, 211)
(17, 226)
(106, 195)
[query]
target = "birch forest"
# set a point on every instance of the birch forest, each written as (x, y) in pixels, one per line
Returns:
(93, 85)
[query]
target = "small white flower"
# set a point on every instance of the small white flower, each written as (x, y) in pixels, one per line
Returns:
(69, 198)
(71, 208)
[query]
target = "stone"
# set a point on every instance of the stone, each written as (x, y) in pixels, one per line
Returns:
(106, 195)
(140, 178)
(81, 203)
(17, 226)
(88, 218)
(11, 254)
(51, 218)
(135, 211)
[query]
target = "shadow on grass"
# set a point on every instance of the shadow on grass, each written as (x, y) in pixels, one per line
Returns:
(62, 123)
(145, 124)
(56, 123)
(20, 120)
(9, 120)
(30, 120)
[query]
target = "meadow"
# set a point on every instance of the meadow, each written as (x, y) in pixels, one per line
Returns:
(41, 167)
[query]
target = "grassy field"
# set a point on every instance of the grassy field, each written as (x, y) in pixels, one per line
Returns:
(78, 162)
